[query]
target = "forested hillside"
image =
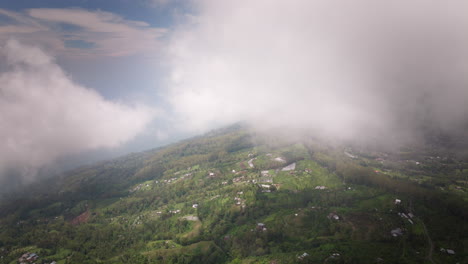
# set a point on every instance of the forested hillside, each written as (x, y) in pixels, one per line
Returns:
(232, 196)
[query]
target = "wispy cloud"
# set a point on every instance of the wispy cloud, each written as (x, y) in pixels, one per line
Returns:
(44, 115)
(106, 33)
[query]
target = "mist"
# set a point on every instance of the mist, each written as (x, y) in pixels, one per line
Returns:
(391, 71)
(45, 116)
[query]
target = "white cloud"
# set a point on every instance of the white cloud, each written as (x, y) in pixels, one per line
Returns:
(106, 33)
(346, 69)
(44, 115)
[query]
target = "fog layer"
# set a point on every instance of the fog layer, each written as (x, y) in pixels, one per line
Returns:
(391, 70)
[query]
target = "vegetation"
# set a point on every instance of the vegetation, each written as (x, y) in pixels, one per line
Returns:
(220, 198)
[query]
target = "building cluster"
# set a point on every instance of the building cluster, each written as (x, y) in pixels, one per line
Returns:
(238, 179)
(238, 200)
(408, 216)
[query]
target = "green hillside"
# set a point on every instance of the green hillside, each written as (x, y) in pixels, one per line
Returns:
(231, 196)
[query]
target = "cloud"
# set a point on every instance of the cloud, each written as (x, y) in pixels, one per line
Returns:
(44, 115)
(64, 30)
(386, 69)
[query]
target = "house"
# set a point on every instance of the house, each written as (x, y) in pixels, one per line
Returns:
(238, 201)
(23, 257)
(238, 179)
(265, 187)
(190, 218)
(29, 257)
(211, 174)
(290, 167)
(32, 257)
(350, 155)
(403, 215)
(396, 232)
(265, 179)
(279, 159)
(333, 216)
(261, 227)
(448, 251)
(304, 255)
(250, 162)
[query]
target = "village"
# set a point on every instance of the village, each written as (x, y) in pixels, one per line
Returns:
(287, 193)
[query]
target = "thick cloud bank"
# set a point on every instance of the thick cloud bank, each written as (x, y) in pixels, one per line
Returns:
(346, 69)
(44, 115)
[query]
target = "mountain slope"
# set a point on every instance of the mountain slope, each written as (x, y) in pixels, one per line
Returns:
(232, 196)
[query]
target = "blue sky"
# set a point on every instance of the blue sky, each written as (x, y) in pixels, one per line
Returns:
(135, 70)
(156, 13)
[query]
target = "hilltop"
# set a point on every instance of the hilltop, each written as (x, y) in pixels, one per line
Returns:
(234, 196)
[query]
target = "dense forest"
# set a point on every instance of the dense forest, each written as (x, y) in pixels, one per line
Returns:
(233, 196)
